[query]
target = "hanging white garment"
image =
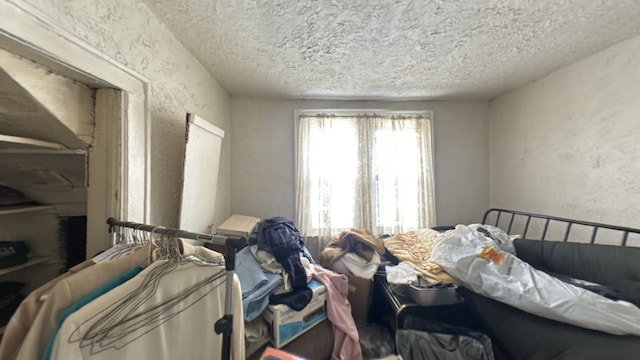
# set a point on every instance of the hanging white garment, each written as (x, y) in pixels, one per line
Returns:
(66, 292)
(173, 317)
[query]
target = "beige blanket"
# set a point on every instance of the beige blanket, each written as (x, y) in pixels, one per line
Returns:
(414, 247)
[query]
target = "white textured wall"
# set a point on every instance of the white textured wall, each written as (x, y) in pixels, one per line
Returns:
(568, 144)
(262, 158)
(129, 32)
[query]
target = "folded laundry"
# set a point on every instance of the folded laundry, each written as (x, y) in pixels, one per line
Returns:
(249, 272)
(270, 264)
(255, 303)
(256, 284)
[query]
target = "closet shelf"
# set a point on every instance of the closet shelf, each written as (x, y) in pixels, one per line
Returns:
(32, 261)
(24, 208)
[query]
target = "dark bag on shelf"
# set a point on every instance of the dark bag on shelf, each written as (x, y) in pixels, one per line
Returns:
(13, 253)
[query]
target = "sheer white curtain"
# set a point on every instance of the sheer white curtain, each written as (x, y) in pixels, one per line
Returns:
(368, 171)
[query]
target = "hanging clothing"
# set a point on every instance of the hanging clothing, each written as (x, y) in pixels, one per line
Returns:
(22, 320)
(115, 252)
(69, 290)
(171, 316)
(346, 344)
(84, 301)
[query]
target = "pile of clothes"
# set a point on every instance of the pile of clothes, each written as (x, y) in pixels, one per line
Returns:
(355, 252)
(274, 268)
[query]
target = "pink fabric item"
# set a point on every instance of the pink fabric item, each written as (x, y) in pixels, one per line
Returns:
(346, 344)
(339, 267)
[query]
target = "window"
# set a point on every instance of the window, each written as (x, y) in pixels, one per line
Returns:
(370, 171)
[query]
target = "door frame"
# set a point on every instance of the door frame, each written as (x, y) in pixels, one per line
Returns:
(125, 156)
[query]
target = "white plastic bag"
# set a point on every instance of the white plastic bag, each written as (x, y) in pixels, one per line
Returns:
(501, 238)
(478, 263)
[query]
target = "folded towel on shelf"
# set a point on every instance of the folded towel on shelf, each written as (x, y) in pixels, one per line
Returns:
(255, 303)
(249, 272)
(256, 284)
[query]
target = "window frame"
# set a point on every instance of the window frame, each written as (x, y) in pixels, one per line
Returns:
(354, 112)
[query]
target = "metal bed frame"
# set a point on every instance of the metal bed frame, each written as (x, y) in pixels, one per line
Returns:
(570, 230)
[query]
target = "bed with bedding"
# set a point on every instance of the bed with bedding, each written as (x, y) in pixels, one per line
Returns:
(604, 257)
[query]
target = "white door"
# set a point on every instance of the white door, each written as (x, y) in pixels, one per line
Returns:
(203, 141)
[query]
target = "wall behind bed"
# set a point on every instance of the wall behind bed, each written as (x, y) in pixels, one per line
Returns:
(568, 143)
(262, 154)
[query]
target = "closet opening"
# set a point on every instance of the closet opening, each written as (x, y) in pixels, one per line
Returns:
(72, 166)
(53, 180)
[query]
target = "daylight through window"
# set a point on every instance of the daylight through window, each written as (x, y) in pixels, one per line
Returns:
(370, 171)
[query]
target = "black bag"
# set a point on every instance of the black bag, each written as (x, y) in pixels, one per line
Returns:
(429, 339)
(13, 253)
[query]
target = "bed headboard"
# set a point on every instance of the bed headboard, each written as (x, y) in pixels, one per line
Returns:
(552, 228)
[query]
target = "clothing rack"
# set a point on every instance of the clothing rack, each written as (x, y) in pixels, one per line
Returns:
(223, 325)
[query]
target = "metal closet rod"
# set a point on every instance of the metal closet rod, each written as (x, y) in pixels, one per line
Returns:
(223, 325)
(209, 238)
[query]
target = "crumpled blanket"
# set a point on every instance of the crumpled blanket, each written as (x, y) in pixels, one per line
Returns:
(415, 247)
(358, 241)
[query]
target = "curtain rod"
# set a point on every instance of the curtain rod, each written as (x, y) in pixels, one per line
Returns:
(209, 238)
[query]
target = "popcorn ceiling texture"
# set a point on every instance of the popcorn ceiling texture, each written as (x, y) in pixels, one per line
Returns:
(391, 49)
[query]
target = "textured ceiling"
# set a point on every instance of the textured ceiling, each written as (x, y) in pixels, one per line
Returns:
(376, 49)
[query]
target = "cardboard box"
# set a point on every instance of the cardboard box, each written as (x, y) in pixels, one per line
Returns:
(239, 225)
(360, 297)
(286, 324)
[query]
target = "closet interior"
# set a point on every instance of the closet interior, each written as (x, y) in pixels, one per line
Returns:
(46, 131)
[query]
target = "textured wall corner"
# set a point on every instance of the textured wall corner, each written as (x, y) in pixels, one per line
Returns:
(567, 144)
